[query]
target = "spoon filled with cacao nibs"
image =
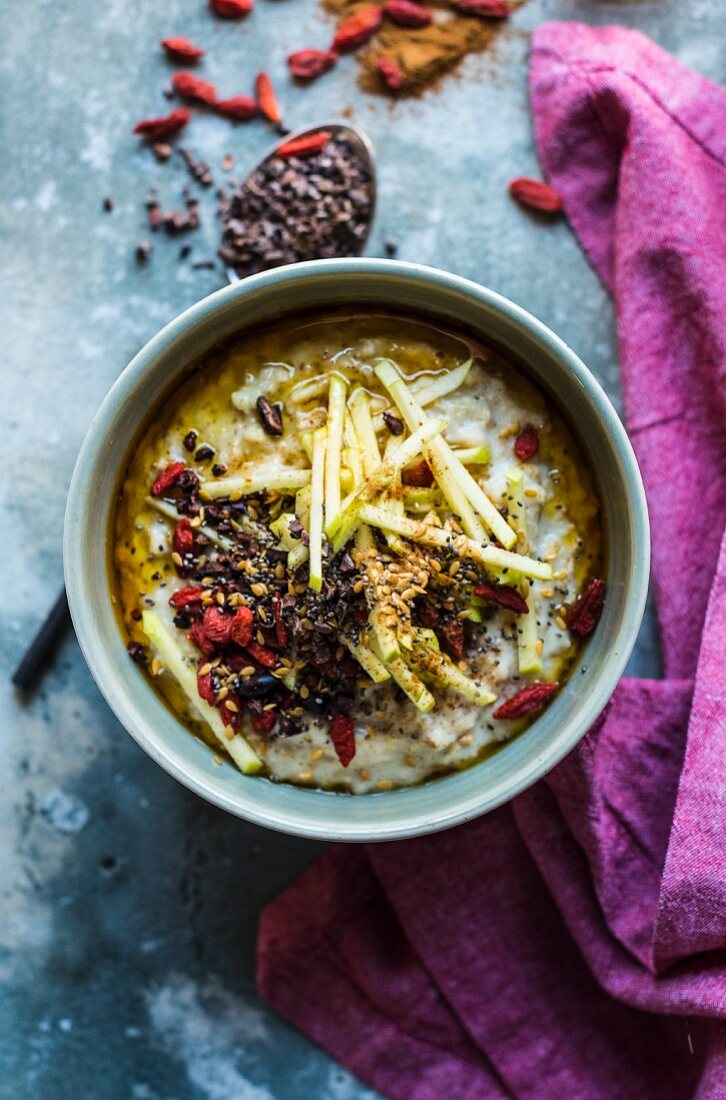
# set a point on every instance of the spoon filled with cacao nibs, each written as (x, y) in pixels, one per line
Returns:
(311, 197)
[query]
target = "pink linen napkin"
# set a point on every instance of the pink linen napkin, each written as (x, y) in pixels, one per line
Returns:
(573, 944)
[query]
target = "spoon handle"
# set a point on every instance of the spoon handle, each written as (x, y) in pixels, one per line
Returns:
(43, 646)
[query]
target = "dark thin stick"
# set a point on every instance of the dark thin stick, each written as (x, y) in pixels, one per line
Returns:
(43, 646)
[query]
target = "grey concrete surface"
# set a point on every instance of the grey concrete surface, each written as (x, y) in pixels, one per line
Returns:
(128, 907)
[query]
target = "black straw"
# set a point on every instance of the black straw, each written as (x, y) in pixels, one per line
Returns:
(43, 646)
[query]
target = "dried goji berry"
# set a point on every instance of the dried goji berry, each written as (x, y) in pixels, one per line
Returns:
(193, 87)
(392, 76)
(305, 145)
(217, 625)
(407, 13)
(187, 598)
(266, 98)
(490, 9)
(452, 632)
(230, 717)
(261, 654)
(309, 64)
(239, 107)
(205, 688)
(505, 595)
(167, 479)
(155, 129)
(264, 722)
(231, 9)
(342, 734)
(527, 701)
(242, 626)
(182, 48)
(536, 194)
(197, 636)
(585, 615)
(358, 28)
(184, 537)
(419, 476)
(526, 444)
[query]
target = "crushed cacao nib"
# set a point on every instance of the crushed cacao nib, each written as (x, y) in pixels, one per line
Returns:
(143, 251)
(270, 415)
(184, 251)
(190, 441)
(204, 453)
(136, 652)
(109, 203)
(394, 425)
(198, 169)
(219, 469)
(161, 150)
(204, 265)
(298, 208)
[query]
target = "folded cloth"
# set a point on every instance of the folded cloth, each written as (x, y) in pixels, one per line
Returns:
(573, 943)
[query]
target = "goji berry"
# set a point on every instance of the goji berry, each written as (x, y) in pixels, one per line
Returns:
(309, 64)
(490, 9)
(240, 107)
(342, 734)
(392, 76)
(193, 87)
(205, 688)
(407, 13)
(266, 98)
(231, 718)
(167, 479)
(242, 626)
(505, 595)
(157, 128)
(419, 476)
(182, 48)
(183, 537)
(231, 9)
(358, 28)
(217, 625)
(527, 701)
(536, 194)
(585, 615)
(526, 444)
(261, 654)
(264, 722)
(187, 598)
(305, 145)
(198, 637)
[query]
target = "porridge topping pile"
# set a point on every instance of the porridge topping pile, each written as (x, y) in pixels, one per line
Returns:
(302, 588)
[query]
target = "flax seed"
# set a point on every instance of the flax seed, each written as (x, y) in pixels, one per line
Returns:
(521, 538)
(539, 646)
(248, 670)
(316, 754)
(205, 669)
(258, 589)
(177, 559)
(222, 694)
(384, 785)
(231, 705)
(531, 493)
(560, 623)
(548, 593)
(560, 575)
(364, 773)
(305, 776)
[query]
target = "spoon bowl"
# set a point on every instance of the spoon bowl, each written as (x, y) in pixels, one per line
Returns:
(362, 148)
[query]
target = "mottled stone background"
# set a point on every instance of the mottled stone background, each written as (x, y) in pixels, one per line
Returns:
(129, 906)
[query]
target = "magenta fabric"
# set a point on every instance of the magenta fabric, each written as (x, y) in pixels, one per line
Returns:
(573, 944)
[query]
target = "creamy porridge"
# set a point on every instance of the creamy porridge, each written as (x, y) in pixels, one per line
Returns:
(356, 551)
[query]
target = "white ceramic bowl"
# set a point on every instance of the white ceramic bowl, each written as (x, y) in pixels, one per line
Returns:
(552, 366)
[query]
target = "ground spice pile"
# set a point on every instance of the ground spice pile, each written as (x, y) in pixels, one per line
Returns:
(309, 207)
(407, 59)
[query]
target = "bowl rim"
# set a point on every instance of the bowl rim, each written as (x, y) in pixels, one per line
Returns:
(79, 586)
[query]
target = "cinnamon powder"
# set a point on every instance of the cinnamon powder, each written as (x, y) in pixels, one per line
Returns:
(424, 55)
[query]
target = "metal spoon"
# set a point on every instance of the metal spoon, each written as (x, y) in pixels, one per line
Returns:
(49, 636)
(362, 148)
